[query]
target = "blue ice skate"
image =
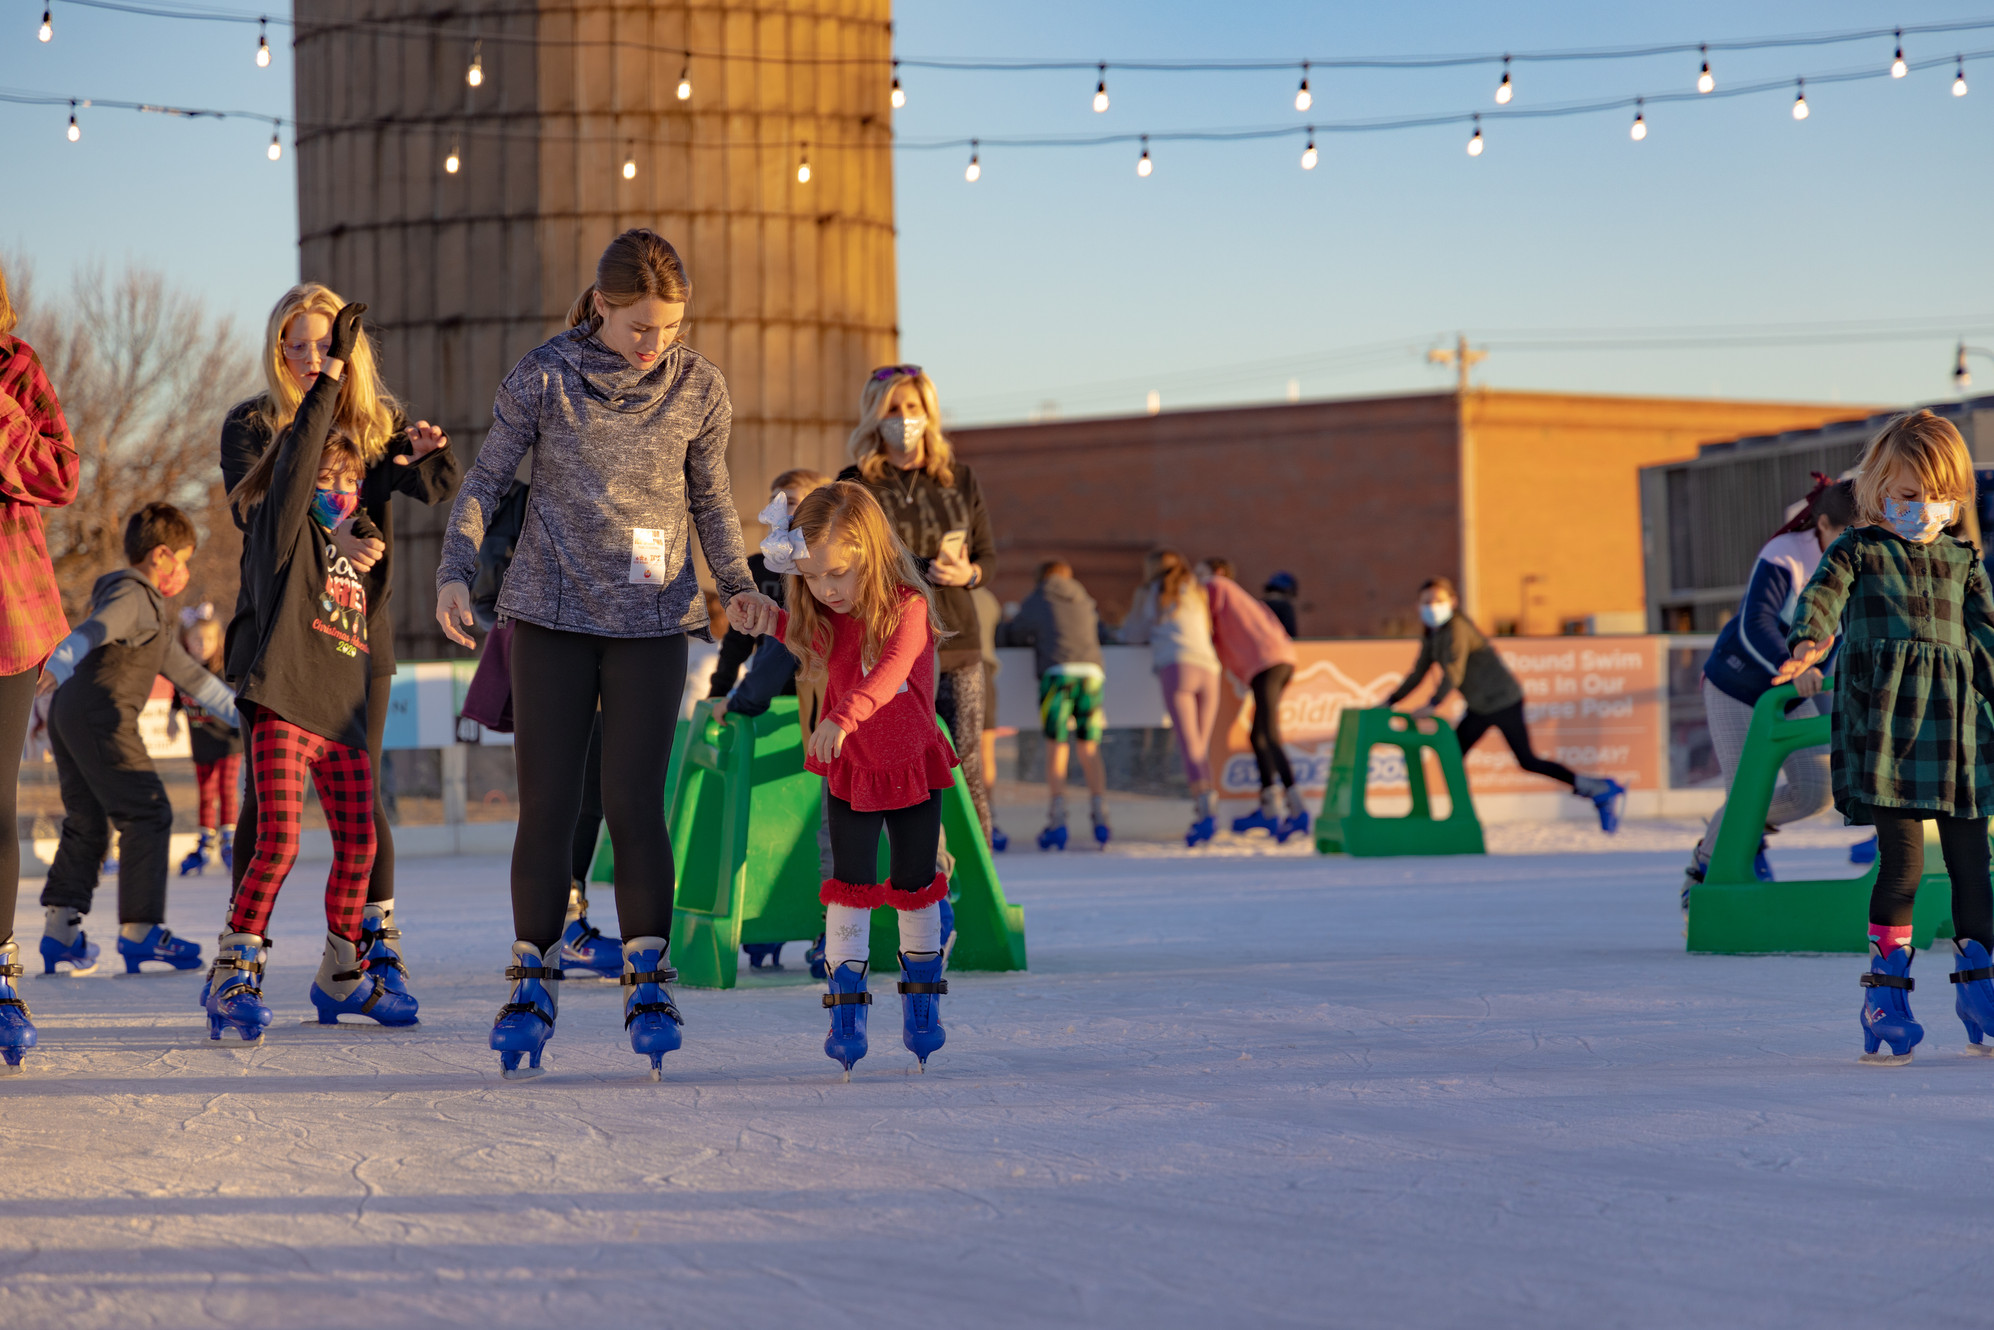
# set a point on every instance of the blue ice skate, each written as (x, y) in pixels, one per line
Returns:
(1257, 820)
(1973, 998)
(17, 1026)
(1295, 824)
(921, 989)
(526, 1023)
(1200, 831)
(1053, 837)
(845, 1044)
(369, 995)
(1886, 1009)
(1611, 801)
(1103, 833)
(195, 864)
(235, 988)
(763, 955)
(649, 1013)
(159, 945)
(999, 842)
(813, 956)
(1762, 866)
(80, 955)
(583, 947)
(1863, 851)
(384, 960)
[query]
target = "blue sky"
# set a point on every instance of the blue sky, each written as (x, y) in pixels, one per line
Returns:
(1062, 281)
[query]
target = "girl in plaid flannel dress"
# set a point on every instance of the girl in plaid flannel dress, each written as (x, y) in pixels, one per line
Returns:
(1913, 738)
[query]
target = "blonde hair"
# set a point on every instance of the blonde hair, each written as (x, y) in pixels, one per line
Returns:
(7, 316)
(636, 264)
(366, 411)
(846, 512)
(202, 640)
(868, 448)
(340, 454)
(1171, 576)
(799, 476)
(1930, 449)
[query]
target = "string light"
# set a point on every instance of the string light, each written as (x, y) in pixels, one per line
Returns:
(1101, 91)
(1475, 143)
(475, 75)
(1639, 129)
(276, 149)
(1705, 82)
(1959, 77)
(74, 132)
(1143, 165)
(685, 78)
(803, 166)
(1504, 90)
(454, 160)
(1304, 99)
(1800, 100)
(974, 172)
(263, 45)
(1897, 66)
(899, 98)
(1309, 153)
(630, 162)
(46, 32)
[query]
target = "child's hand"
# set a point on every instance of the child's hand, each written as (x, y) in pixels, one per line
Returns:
(362, 553)
(1808, 682)
(752, 614)
(1806, 654)
(826, 742)
(424, 439)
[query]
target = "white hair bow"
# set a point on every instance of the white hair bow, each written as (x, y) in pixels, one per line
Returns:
(193, 614)
(781, 547)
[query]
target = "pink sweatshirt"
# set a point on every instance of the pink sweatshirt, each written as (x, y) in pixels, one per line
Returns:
(1248, 636)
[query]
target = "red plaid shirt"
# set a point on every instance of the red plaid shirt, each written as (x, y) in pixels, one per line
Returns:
(38, 469)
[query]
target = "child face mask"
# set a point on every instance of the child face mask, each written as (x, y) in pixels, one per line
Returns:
(331, 507)
(1917, 522)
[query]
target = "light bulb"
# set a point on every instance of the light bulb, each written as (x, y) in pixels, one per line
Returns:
(262, 45)
(276, 149)
(1101, 91)
(1504, 90)
(1309, 155)
(475, 75)
(803, 168)
(1475, 143)
(1800, 102)
(1639, 129)
(974, 172)
(899, 97)
(1959, 79)
(451, 163)
(74, 132)
(1897, 67)
(1304, 99)
(629, 168)
(1704, 80)
(47, 30)
(1143, 165)
(685, 80)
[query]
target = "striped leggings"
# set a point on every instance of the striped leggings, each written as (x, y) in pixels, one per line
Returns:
(282, 756)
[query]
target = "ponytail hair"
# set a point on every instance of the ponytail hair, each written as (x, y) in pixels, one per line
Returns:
(637, 264)
(1830, 498)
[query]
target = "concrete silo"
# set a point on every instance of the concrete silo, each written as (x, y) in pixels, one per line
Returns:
(794, 291)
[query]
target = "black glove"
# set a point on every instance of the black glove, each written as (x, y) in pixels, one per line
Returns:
(345, 332)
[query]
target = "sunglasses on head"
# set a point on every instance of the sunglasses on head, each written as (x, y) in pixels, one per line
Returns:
(896, 371)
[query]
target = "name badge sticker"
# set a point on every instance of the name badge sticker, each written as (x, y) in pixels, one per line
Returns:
(647, 556)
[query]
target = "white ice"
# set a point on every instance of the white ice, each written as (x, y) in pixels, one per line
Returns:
(1272, 1090)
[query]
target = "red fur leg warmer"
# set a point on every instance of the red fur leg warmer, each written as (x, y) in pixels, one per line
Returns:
(916, 900)
(860, 896)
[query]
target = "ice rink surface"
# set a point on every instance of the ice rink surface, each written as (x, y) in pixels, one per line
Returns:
(1233, 1090)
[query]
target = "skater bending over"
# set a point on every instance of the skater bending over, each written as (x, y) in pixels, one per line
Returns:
(1257, 651)
(1750, 649)
(1912, 738)
(861, 619)
(1171, 615)
(304, 694)
(1495, 699)
(1059, 623)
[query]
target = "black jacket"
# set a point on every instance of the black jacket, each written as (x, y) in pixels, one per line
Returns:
(922, 512)
(310, 661)
(1466, 662)
(736, 647)
(105, 668)
(245, 436)
(495, 554)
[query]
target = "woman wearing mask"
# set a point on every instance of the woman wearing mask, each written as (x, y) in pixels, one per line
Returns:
(627, 428)
(932, 500)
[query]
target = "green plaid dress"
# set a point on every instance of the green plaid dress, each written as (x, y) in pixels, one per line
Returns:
(1913, 675)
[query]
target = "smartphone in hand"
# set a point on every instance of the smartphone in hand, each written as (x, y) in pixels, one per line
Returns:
(954, 544)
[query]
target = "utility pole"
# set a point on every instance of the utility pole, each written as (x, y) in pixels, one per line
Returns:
(1463, 359)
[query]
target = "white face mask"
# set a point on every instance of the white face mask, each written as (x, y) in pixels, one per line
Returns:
(1437, 613)
(903, 433)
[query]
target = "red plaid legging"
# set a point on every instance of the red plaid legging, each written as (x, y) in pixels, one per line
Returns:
(345, 781)
(216, 782)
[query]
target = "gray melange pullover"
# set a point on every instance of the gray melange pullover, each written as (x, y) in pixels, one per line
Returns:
(625, 463)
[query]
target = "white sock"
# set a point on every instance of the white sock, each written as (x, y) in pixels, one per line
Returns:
(1270, 801)
(1097, 806)
(135, 932)
(1295, 805)
(1585, 787)
(62, 923)
(1205, 804)
(577, 904)
(1055, 811)
(847, 935)
(383, 910)
(340, 957)
(921, 930)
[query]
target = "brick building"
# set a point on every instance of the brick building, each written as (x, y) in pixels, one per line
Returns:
(1363, 498)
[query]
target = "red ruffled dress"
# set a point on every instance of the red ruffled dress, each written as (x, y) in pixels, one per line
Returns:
(894, 754)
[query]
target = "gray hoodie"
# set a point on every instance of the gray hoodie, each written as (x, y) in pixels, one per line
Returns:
(625, 463)
(1059, 622)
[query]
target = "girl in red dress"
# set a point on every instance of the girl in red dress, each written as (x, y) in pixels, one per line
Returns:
(866, 630)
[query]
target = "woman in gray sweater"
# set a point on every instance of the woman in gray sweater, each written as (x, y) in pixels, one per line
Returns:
(627, 428)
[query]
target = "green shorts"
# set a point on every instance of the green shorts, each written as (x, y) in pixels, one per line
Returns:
(1070, 708)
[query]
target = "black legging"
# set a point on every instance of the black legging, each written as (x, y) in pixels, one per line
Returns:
(558, 679)
(17, 705)
(1510, 721)
(1268, 753)
(1900, 854)
(590, 821)
(912, 836)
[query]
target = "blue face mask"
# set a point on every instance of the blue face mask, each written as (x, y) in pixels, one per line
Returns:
(331, 507)
(1437, 613)
(1917, 522)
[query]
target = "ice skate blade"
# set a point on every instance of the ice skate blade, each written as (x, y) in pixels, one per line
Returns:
(522, 1073)
(1977, 1051)
(72, 973)
(1882, 1059)
(314, 1023)
(11, 1069)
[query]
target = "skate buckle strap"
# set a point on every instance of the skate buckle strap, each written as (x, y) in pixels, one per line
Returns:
(650, 977)
(380, 991)
(637, 1009)
(1972, 976)
(11, 971)
(940, 986)
(1874, 980)
(533, 972)
(16, 1002)
(848, 999)
(524, 1008)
